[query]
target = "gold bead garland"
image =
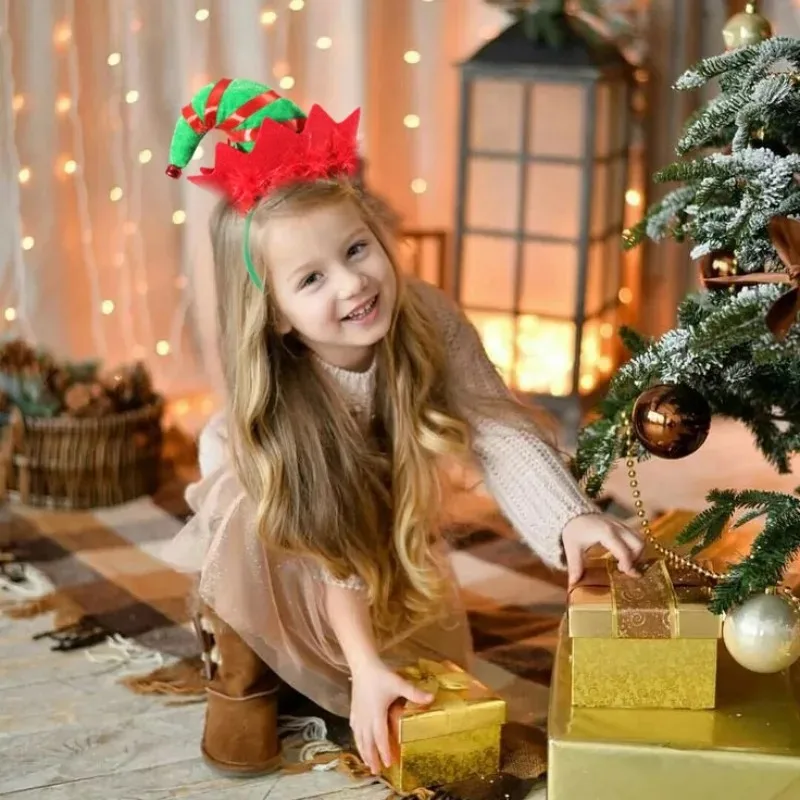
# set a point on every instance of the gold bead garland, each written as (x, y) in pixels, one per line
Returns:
(671, 557)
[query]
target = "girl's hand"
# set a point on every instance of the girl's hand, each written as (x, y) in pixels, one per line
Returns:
(375, 688)
(586, 530)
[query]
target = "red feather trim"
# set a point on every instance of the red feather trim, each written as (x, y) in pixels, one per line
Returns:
(321, 149)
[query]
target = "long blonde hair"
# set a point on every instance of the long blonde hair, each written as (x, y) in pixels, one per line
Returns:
(360, 504)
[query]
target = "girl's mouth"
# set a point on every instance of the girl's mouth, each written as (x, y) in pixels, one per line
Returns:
(362, 312)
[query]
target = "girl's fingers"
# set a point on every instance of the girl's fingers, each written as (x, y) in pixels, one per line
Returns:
(634, 542)
(573, 555)
(380, 735)
(618, 548)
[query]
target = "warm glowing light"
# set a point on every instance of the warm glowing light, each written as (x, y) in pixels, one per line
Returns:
(10, 314)
(63, 104)
(162, 347)
(419, 185)
(28, 242)
(268, 17)
(145, 156)
(286, 82)
(296, 5)
(115, 194)
(182, 407)
(115, 59)
(18, 103)
(202, 14)
(179, 217)
(625, 295)
(132, 96)
(633, 197)
(606, 330)
(324, 42)
(63, 33)
(70, 167)
(24, 175)
(411, 121)
(107, 307)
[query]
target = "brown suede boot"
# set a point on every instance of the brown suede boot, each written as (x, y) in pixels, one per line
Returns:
(241, 729)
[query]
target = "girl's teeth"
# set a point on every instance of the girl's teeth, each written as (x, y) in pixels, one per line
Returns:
(364, 311)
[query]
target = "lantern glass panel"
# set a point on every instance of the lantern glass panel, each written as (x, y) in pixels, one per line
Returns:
(545, 355)
(600, 196)
(487, 272)
(496, 331)
(557, 120)
(496, 116)
(603, 133)
(619, 116)
(493, 194)
(613, 267)
(552, 205)
(616, 198)
(549, 278)
(597, 270)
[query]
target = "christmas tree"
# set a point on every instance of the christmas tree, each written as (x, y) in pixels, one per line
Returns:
(736, 349)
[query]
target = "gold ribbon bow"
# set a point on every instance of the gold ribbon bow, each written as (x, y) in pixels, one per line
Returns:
(782, 315)
(448, 687)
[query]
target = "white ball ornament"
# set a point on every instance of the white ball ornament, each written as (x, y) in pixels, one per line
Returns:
(763, 634)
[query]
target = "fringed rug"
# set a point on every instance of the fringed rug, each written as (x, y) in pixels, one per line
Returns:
(109, 581)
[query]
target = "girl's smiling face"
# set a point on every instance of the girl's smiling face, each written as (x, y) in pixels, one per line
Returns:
(333, 282)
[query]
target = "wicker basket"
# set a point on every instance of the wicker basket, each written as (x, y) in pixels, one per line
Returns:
(68, 462)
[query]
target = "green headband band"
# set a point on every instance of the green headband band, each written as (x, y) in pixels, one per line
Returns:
(248, 261)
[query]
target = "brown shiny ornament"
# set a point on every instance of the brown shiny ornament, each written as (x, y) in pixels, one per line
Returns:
(671, 421)
(746, 28)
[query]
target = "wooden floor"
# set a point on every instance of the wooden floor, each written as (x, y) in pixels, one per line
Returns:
(69, 731)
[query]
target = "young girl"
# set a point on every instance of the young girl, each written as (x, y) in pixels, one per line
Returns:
(350, 391)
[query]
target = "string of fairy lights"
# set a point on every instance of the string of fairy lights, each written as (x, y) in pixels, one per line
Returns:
(119, 291)
(118, 282)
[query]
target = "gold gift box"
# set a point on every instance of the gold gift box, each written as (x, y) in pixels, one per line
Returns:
(647, 642)
(746, 749)
(454, 738)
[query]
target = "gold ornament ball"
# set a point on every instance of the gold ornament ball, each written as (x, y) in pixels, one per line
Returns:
(746, 28)
(671, 421)
(763, 634)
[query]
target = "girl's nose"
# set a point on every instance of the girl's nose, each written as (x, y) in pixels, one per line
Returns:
(351, 283)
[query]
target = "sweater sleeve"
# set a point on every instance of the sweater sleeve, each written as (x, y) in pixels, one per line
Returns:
(527, 478)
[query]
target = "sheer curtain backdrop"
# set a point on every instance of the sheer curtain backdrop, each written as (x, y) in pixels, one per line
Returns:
(101, 253)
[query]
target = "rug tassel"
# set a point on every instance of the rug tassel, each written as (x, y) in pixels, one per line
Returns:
(351, 766)
(184, 677)
(65, 609)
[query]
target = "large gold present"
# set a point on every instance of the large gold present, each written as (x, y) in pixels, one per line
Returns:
(454, 738)
(746, 749)
(647, 642)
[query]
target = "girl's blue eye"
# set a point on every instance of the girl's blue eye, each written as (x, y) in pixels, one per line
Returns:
(310, 279)
(356, 248)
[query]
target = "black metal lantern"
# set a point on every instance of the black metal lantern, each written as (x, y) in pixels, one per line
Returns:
(542, 175)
